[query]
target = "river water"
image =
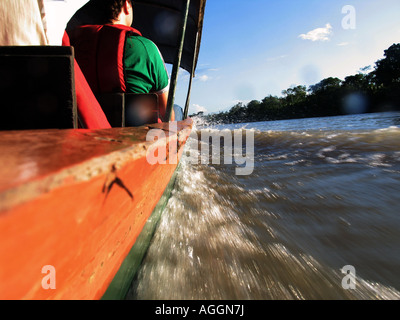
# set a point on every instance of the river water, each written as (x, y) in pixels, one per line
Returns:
(324, 194)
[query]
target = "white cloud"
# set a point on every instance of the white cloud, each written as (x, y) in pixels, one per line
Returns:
(342, 44)
(199, 108)
(202, 74)
(203, 78)
(277, 58)
(319, 34)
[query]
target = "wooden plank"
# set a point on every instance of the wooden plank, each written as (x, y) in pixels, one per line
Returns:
(75, 200)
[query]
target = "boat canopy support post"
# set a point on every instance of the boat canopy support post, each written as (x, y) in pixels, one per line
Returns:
(177, 62)
(185, 114)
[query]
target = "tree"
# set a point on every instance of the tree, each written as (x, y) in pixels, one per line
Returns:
(386, 77)
(295, 94)
(237, 108)
(326, 84)
(387, 70)
(377, 90)
(253, 106)
(272, 107)
(359, 83)
(325, 97)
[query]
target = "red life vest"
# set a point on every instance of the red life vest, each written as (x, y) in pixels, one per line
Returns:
(90, 112)
(99, 50)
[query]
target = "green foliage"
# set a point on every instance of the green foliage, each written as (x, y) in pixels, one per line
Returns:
(387, 70)
(378, 90)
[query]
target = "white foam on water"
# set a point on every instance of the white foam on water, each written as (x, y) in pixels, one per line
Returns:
(316, 199)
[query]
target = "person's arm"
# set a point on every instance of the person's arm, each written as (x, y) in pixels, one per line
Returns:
(162, 77)
(162, 105)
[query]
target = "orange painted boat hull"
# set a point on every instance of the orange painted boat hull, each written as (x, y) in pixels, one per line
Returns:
(75, 201)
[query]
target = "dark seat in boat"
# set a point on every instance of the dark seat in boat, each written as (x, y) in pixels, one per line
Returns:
(37, 88)
(129, 109)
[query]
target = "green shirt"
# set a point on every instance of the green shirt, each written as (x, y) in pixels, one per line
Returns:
(145, 69)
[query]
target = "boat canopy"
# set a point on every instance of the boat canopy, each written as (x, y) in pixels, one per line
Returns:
(159, 21)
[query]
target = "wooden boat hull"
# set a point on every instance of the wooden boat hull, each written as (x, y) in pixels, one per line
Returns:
(119, 287)
(77, 202)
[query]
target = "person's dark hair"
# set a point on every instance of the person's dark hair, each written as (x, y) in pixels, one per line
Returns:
(110, 9)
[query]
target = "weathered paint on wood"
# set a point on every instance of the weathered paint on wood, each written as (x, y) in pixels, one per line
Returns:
(76, 200)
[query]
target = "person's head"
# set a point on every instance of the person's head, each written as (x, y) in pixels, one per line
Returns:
(116, 11)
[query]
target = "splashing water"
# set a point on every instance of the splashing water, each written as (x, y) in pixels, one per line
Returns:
(317, 200)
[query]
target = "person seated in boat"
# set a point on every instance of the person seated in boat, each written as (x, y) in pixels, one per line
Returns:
(116, 58)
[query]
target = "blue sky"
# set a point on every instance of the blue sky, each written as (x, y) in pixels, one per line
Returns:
(254, 48)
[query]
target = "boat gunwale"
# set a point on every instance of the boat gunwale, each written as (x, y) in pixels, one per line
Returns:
(89, 168)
